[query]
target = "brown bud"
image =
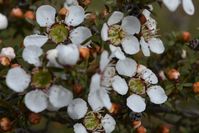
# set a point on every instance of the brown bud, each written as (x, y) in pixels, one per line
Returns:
(84, 52)
(86, 2)
(34, 118)
(104, 13)
(142, 19)
(29, 15)
(173, 74)
(5, 124)
(136, 124)
(196, 87)
(186, 36)
(5, 61)
(141, 129)
(115, 108)
(91, 17)
(63, 11)
(78, 89)
(17, 13)
(164, 129)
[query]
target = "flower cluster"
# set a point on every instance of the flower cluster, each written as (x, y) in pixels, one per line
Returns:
(53, 56)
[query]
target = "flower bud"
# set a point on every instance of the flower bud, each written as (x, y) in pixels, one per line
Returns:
(5, 124)
(173, 74)
(63, 11)
(142, 19)
(186, 36)
(164, 128)
(3, 22)
(115, 108)
(196, 87)
(78, 89)
(136, 124)
(141, 129)
(17, 13)
(5, 61)
(29, 15)
(84, 52)
(8, 52)
(34, 118)
(86, 2)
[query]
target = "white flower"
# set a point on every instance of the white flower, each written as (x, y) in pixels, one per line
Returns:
(122, 34)
(77, 109)
(17, 79)
(141, 80)
(105, 123)
(3, 22)
(59, 31)
(37, 100)
(149, 41)
(8, 52)
(188, 6)
(67, 54)
(56, 98)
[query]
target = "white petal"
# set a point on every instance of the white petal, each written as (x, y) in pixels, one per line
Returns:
(45, 15)
(94, 101)
(8, 52)
(80, 34)
(172, 5)
(136, 103)
(131, 25)
(188, 6)
(104, 97)
(69, 3)
(77, 109)
(149, 76)
(119, 85)
(31, 54)
(60, 96)
(156, 94)
(106, 81)
(146, 13)
(95, 83)
(156, 45)
(68, 54)
(36, 101)
(131, 45)
(117, 52)
(144, 47)
(104, 32)
(104, 60)
(17, 79)
(35, 40)
(52, 57)
(3, 22)
(109, 123)
(126, 67)
(79, 128)
(76, 16)
(115, 18)
(151, 25)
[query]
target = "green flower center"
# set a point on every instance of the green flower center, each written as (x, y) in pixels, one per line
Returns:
(116, 34)
(41, 79)
(58, 33)
(92, 121)
(137, 86)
